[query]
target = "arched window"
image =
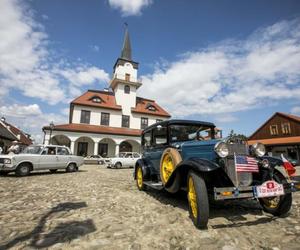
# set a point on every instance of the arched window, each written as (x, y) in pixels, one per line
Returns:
(127, 89)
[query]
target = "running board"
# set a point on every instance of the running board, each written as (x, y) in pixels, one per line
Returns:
(155, 185)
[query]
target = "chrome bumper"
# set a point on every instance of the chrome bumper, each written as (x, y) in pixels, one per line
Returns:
(6, 167)
(249, 192)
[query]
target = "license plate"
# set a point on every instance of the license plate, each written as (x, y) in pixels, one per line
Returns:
(269, 189)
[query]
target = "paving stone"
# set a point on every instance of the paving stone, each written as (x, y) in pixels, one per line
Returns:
(101, 208)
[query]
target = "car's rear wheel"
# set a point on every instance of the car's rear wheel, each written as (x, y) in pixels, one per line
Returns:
(118, 165)
(71, 167)
(198, 200)
(278, 205)
(139, 178)
(53, 171)
(23, 169)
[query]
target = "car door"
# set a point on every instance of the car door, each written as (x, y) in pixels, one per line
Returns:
(126, 160)
(159, 144)
(48, 158)
(62, 157)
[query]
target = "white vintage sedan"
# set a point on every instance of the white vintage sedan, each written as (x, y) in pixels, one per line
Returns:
(124, 159)
(40, 157)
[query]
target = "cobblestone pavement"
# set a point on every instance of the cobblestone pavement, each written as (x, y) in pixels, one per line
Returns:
(99, 208)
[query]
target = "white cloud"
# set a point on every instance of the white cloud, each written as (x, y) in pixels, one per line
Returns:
(84, 76)
(17, 110)
(31, 119)
(26, 64)
(129, 7)
(95, 48)
(295, 110)
(232, 75)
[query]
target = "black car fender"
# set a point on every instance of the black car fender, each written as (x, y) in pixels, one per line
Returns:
(273, 162)
(142, 163)
(202, 166)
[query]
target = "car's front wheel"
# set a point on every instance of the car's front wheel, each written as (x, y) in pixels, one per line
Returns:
(278, 205)
(23, 169)
(71, 167)
(118, 165)
(198, 200)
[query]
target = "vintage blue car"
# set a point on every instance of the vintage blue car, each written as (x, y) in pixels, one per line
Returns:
(183, 154)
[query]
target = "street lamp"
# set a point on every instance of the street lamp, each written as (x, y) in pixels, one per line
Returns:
(51, 128)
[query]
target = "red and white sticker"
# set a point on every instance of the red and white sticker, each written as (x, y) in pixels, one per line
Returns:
(269, 189)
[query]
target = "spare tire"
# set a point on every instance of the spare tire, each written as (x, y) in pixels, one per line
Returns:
(168, 163)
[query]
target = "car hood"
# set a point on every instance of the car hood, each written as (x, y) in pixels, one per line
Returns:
(17, 155)
(199, 149)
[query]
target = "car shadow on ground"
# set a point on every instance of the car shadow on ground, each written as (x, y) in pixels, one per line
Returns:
(63, 232)
(45, 172)
(234, 211)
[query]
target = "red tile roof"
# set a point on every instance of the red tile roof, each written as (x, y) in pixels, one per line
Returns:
(142, 106)
(277, 141)
(23, 138)
(74, 127)
(108, 100)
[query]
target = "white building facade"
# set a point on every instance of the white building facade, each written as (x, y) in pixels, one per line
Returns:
(106, 122)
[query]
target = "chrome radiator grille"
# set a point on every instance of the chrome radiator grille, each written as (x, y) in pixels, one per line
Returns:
(238, 179)
(237, 148)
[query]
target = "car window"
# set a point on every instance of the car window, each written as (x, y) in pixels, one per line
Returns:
(62, 151)
(129, 155)
(188, 132)
(159, 135)
(147, 139)
(122, 155)
(136, 155)
(51, 150)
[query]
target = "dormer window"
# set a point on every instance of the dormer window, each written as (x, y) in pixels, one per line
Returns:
(127, 89)
(96, 99)
(150, 107)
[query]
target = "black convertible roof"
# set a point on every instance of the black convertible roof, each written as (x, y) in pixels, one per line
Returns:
(183, 122)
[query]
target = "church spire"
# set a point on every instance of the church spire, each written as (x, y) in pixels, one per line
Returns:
(126, 50)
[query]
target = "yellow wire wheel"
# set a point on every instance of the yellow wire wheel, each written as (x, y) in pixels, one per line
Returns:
(192, 197)
(139, 178)
(272, 202)
(198, 199)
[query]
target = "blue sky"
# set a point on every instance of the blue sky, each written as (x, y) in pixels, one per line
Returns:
(231, 62)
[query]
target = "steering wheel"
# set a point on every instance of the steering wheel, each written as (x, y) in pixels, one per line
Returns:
(201, 138)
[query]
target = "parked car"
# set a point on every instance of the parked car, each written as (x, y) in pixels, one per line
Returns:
(124, 159)
(181, 154)
(96, 159)
(40, 157)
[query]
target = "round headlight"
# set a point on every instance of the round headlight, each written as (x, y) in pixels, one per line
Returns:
(259, 149)
(7, 161)
(221, 149)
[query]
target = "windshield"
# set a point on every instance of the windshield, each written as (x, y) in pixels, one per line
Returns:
(190, 132)
(32, 150)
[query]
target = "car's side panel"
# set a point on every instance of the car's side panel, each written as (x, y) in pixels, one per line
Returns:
(145, 168)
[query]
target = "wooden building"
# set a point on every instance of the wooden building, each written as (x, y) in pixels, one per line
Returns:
(280, 134)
